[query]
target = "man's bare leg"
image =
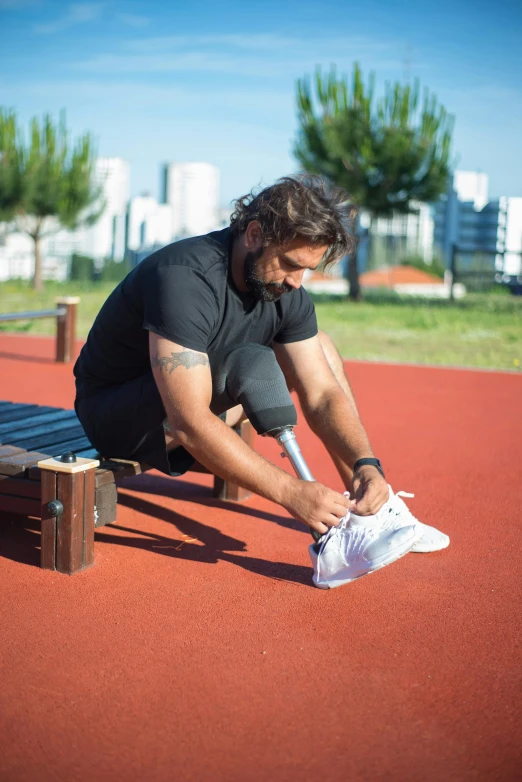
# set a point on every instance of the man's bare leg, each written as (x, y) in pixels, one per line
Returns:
(336, 364)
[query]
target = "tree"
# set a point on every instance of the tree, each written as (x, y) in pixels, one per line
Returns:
(47, 183)
(385, 153)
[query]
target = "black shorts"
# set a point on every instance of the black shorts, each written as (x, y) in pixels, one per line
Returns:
(127, 422)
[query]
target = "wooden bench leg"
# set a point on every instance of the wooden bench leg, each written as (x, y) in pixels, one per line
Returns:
(67, 516)
(224, 490)
(48, 534)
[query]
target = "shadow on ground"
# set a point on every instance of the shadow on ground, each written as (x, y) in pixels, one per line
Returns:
(31, 359)
(20, 538)
(202, 495)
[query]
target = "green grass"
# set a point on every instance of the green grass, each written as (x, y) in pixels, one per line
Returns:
(478, 331)
(16, 296)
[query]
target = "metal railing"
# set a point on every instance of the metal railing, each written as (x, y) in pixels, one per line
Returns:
(485, 277)
(65, 314)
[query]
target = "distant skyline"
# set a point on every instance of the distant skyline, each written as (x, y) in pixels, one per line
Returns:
(165, 81)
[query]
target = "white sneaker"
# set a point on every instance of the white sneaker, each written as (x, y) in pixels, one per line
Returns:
(398, 515)
(358, 546)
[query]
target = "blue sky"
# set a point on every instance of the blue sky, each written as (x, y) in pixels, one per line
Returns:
(198, 80)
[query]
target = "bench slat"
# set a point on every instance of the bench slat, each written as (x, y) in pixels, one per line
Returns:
(17, 411)
(9, 450)
(55, 450)
(20, 505)
(36, 420)
(53, 439)
(70, 445)
(76, 446)
(18, 463)
(45, 430)
(123, 468)
(19, 487)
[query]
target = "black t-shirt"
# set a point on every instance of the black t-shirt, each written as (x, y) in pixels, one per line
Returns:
(185, 293)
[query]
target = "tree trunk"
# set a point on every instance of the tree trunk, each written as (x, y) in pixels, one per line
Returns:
(37, 279)
(353, 278)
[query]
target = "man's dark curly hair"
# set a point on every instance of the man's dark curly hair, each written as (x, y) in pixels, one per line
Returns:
(300, 206)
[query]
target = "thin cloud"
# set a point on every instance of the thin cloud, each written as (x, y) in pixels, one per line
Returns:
(77, 13)
(17, 5)
(136, 95)
(133, 20)
(268, 42)
(256, 56)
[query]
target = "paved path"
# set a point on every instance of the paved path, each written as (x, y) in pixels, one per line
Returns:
(197, 648)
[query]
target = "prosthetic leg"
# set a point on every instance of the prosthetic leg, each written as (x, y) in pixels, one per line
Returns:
(250, 376)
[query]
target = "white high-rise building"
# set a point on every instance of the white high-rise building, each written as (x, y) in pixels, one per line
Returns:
(106, 238)
(472, 186)
(149, 224)
(512, 208)
(192, 191)
(403, 235)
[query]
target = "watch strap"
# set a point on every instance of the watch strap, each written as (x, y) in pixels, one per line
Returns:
(370, 461)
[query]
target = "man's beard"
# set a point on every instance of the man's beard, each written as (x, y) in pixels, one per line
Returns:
(257, 287)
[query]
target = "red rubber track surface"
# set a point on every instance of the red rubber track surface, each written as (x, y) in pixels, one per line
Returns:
(216, 659)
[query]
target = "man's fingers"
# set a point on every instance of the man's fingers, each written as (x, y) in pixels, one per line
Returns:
(371, 500)
(321, 528)
(341, 510)
(340, 499)
(364, 507)
(324, 526)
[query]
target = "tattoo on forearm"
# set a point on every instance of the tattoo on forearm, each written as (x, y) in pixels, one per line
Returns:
(187, 359)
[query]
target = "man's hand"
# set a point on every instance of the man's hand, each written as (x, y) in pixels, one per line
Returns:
(370, 491)
(316, 506)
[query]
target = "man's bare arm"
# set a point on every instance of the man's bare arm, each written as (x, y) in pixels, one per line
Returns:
(325, 405)
(185, 384)
(187, 359)
(331, 415)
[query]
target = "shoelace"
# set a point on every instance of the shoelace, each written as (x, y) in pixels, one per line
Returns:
(330, 534)
(390, 515)
(360, 534)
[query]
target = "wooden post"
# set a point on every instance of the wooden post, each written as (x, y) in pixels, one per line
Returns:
(66, 328)
(225, 490)
(68, 513)
(453, 269)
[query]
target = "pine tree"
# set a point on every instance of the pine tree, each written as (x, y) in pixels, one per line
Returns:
(386, 153)
(46, 183)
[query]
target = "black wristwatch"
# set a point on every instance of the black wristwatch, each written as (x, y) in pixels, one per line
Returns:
(369, 461)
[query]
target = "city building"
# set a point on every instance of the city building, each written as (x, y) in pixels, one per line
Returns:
(386, 241)
(149, 224)
(192, 192)
(105, 239)
(512, 208)
(403, 235)
(487, 233)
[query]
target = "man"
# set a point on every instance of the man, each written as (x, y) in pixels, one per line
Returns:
(144, 378)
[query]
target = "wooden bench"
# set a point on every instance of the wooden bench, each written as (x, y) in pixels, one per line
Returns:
(70, 498)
